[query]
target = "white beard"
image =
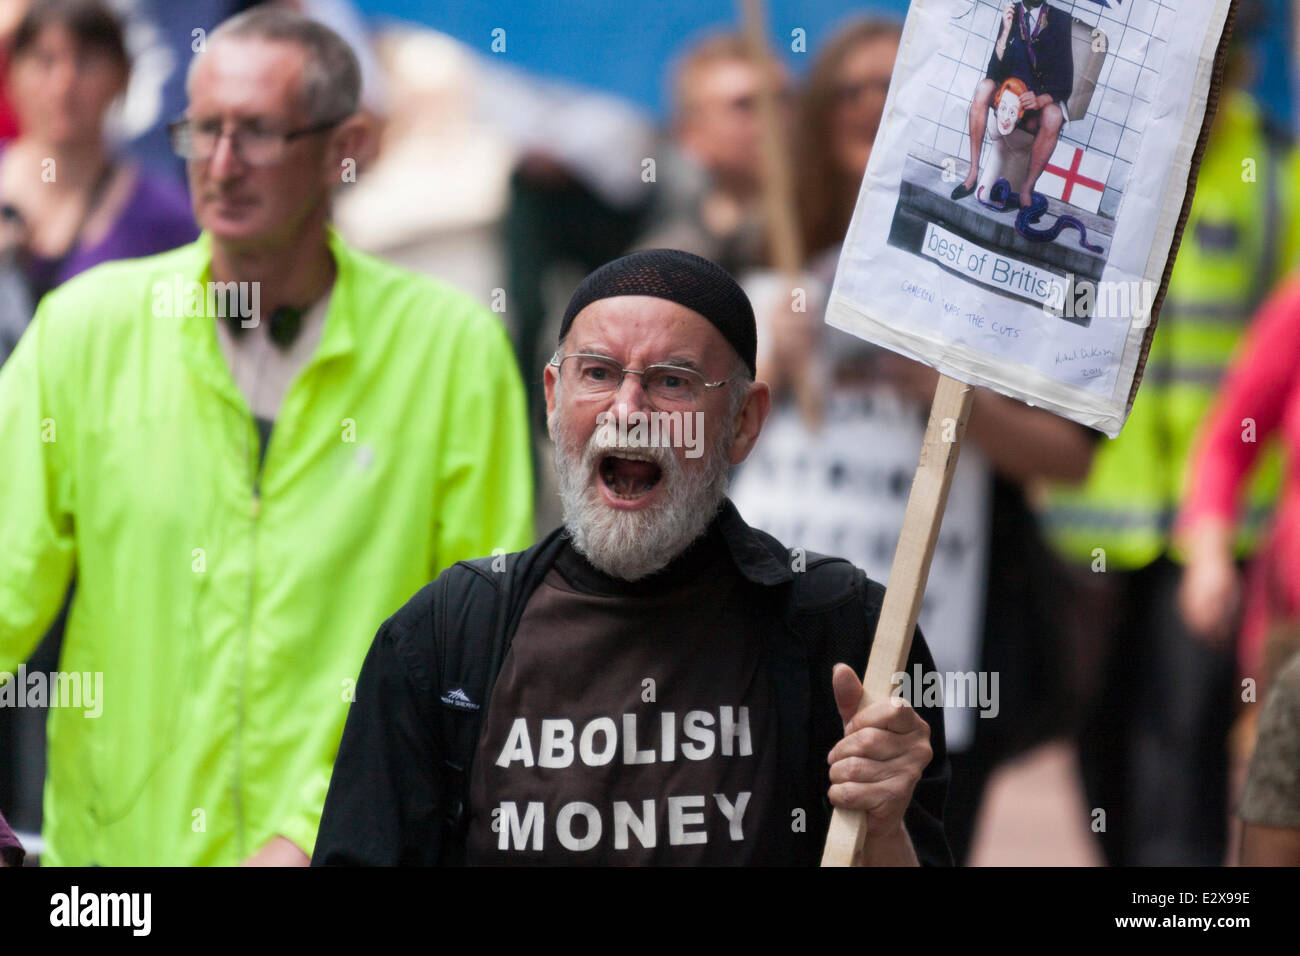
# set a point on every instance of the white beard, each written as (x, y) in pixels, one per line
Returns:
(631, 545)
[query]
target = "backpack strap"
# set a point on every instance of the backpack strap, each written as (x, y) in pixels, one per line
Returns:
(468, 599)
(479, 605)
(838, 614)
(839, 617)
(826, 607)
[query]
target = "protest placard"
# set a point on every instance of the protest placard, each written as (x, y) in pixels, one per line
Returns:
(1022, 201)
(1016, 228)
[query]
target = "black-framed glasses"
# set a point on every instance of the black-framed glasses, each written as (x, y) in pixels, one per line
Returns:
(599, 376)
(254, 144)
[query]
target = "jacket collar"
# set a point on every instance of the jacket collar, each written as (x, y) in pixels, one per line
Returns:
(338, 336)
(759, 557)
(199, 334)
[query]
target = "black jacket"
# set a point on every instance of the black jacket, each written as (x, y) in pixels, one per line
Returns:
(398, 791)
(1052, 69)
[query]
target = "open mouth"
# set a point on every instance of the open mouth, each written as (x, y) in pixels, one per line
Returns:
(628, 475)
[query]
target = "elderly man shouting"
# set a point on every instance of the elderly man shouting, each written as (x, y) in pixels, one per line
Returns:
(251, 450)
(651, 684)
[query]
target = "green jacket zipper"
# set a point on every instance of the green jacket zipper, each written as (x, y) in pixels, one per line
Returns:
(256, 466)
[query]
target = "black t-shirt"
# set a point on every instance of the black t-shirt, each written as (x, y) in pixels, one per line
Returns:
(632, 723)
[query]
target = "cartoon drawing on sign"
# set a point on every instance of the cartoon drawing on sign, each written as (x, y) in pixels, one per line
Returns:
(1033, 48)
(1018, 239)
(1010, 107)
(1041, 179)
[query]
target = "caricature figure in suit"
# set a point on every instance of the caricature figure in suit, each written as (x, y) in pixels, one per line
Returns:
(1034, 45)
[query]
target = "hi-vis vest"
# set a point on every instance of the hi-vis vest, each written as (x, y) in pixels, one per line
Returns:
(1242, 236)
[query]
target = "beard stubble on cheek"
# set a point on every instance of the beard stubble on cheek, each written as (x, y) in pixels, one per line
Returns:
(632, 544)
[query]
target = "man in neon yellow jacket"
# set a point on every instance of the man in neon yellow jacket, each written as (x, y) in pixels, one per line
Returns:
(243, 499)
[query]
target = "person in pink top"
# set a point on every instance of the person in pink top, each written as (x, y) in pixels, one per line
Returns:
(1258, 399)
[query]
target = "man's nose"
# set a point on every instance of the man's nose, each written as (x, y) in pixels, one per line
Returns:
(224, 163)
(632, 393)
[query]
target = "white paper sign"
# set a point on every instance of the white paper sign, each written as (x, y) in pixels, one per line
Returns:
(1035, 273)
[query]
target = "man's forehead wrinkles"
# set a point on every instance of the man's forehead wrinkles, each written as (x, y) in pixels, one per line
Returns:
(242, 116)
(652, 331)
(618, 318)
(644, 322)
(240, 77)
(587, 349)
(241, 94)
(684, 360)
(656, 335)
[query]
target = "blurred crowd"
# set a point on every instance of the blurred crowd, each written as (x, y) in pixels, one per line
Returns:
(1137, 597)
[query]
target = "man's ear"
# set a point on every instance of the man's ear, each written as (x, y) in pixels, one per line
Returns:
(548, 382)
(350, 146)
(749, 423)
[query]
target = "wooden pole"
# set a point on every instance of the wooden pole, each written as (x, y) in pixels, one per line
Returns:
(779, 219)
(778, 181)
(902, 603)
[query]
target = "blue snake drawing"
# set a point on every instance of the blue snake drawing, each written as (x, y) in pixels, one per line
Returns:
(1001, 198)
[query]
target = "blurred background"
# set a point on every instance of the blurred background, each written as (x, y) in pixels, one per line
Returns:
(516, 146)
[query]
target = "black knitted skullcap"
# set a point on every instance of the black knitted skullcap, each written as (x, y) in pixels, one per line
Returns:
(678, 277)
